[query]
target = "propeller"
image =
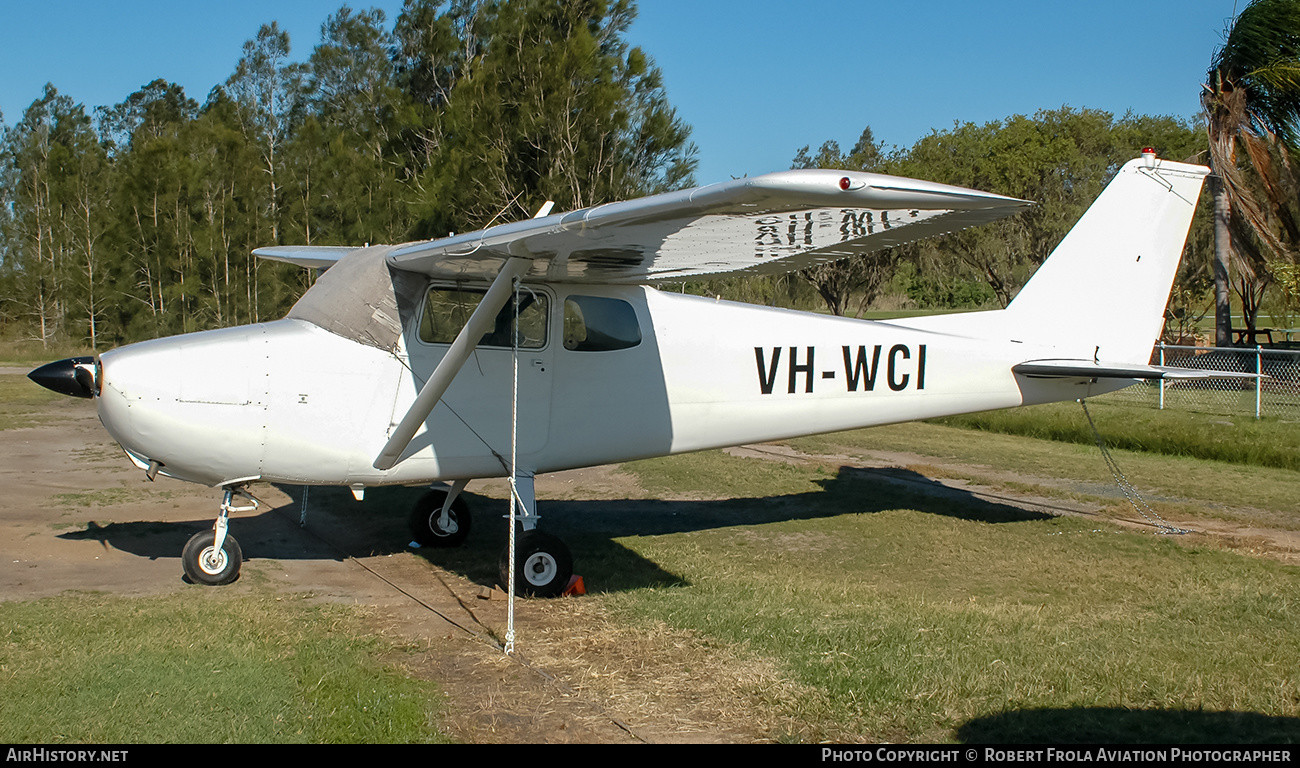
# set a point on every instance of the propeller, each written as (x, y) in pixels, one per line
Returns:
(76, 376)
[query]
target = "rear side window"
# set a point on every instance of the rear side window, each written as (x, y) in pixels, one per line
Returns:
(446, 310)
(599, 324)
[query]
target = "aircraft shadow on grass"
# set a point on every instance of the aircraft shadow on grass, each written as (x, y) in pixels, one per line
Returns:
(1116, 725)
(378, 526)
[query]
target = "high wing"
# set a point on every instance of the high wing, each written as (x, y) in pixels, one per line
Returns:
(778, 222)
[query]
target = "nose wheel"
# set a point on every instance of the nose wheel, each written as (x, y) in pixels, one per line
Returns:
(213, 557)
(205, 563)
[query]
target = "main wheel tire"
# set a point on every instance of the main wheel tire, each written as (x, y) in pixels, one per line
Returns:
(543, 565)
(205, 564)
(424, 520)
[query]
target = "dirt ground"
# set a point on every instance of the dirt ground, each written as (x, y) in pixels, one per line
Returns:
(78, 516)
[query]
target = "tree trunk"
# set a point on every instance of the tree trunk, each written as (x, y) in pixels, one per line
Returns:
(1222, 252)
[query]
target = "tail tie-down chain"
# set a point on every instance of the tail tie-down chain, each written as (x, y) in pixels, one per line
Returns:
(1161, 525)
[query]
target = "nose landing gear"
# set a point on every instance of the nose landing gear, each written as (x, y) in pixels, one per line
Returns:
(213, 557)
(205, 563)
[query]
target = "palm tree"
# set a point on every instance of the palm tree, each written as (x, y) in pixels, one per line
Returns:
(1252, 97)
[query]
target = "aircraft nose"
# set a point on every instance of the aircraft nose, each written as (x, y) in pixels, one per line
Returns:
(188, 402)
(75, 376)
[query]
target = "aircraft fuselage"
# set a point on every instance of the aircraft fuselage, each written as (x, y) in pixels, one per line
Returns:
(289, 402)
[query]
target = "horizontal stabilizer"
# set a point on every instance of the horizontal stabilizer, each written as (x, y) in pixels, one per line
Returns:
(1089, 369)
(311, 256)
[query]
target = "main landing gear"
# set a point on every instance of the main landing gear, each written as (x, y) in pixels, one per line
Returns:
(440, 518)
(213, 557)
(543, 565)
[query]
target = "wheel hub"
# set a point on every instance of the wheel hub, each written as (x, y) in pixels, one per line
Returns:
(540, 568)
(212, 560)
(439, 529)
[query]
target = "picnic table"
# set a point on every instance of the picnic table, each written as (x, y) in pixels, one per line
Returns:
(1251, 337)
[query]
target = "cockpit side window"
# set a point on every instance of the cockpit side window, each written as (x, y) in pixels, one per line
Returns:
(447, 309)
(599, 324)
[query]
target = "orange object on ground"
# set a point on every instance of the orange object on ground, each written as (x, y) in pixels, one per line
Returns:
(576, 587)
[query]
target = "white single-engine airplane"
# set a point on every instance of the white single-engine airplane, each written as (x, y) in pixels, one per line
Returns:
(403, 363)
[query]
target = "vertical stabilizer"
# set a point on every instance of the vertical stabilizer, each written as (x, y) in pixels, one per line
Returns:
(1102, 293)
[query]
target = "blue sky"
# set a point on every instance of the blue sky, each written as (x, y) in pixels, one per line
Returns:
(756, 80)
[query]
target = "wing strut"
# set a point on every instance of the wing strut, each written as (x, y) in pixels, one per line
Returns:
(480, 322)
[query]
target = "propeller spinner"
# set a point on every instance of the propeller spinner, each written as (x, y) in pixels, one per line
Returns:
(76, 376)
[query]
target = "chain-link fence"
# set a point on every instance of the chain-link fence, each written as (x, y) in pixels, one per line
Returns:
(1277, 395)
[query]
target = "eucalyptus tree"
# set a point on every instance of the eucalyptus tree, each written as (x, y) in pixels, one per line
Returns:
(153, 109)
(435, 43)
(155, 271)
(1252, 99)
(55, 171)
(347, 157)
(1060, 159)
(224, 173)
(545, 100)
(266, 89)
(466, 112)
(10, 306)
(266, 92)
(83, 192)
(36, 259)
(837, 281)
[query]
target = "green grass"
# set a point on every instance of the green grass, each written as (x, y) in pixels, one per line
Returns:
(911, 618)
(715, 474)
(1239, 440)
(30, 354)
(1218, 489)
(1278, 400)
(18, 390)
(202, 668)
(24, 403)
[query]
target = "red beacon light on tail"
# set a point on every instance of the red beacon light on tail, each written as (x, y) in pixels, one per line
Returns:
(1149, 157)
